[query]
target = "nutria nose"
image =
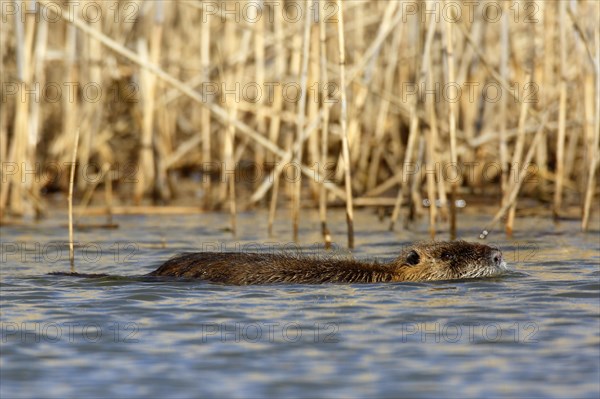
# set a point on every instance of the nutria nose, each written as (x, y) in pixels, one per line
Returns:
(496, 257)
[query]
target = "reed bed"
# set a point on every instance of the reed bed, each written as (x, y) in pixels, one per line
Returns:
(402, 105)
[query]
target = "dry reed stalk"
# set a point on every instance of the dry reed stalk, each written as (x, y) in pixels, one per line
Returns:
(416, 201)
(433, 161)
(515, 164)
(575, 21)
(228, 172)
(205, 119)
(145, 154)
(356, 109)
(295, 55)
(3, 152)
(449, 46)
(358, 29)
(24, 32)
(181, 150)
(273, 204)
(313, 101)
(469, 108)
(275, 188)
(32, 29)
(296, 193)
(382, 116)
(593, 134)
(108, 193)
(514, 190)
(324, 79)
(530, 129)
(35, 110)
(230, 166)
(343, 122)
(432, 140)
(548, 30)
(377, 147)
(441, 188)
(165, 131)
(390, 21)
(430, 162)
(276, 180)
(70, 201)
(275, 122)
(549, 59)
(570, 153)
(143, 210)
(279, 72)
(386, 185)
(146, 164)
(414, 125)
(226, 51)
(259, 54)
(3, 115)
(581, 39)
(71, 107)
(89, 190)
(412, 137)
(435, 126)
(353, 122)
(467, 54)
(469, 154)
(562, 111)
(88, 50)
(8, 186)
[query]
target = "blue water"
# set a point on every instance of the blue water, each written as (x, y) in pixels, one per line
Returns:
(534, 332)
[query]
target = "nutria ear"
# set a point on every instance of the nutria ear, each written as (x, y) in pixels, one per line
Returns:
(413, 258)
(447, 256)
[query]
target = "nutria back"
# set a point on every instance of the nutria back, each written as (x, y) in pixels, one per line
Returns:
(420, 262)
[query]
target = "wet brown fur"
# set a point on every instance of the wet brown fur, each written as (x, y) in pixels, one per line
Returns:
(436, 261)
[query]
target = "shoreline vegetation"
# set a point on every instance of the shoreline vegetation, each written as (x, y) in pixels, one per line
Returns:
(198, 106)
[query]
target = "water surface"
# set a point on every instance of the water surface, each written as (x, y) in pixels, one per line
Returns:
(532, 333)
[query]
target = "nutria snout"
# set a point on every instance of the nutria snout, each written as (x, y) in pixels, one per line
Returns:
(427, 261)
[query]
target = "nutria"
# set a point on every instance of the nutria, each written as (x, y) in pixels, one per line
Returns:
(420, 262)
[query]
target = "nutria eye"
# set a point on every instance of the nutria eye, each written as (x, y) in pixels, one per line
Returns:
(413, 258)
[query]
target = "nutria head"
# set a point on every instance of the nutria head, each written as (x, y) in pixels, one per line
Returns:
(448, 261)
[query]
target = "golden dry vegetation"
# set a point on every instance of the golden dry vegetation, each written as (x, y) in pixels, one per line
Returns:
(389, 104)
